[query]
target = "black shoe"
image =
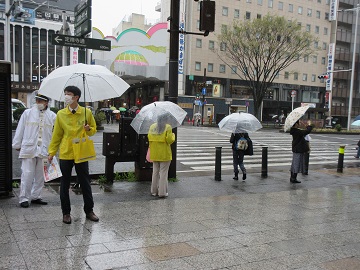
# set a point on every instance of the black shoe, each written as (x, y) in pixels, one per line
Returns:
(236, 177)
(294, 180)
(67, 219)
(244, 176)
(39, 201)
(305, 173)
(24, 204)
(91, 216)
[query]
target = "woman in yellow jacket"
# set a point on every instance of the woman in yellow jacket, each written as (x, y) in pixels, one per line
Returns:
(160, 138)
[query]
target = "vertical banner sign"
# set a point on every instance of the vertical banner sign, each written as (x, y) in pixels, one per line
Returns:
(181, 46)
(333, 10)
(330, 66)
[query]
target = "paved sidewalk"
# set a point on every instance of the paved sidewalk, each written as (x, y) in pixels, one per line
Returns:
(203, 224)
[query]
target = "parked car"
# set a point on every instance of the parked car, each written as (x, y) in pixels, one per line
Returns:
(16, 104)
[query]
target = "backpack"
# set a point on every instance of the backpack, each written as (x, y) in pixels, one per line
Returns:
(241, 144)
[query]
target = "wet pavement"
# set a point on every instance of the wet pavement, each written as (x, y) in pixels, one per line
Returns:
(203, 224)
(262, 223)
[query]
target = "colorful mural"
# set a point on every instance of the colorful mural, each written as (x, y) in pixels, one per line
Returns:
(135, 47)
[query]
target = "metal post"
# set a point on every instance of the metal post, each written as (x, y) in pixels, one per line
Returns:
(173, 71)
(264, 162)
(64, 55)
(218, 163)
(203, 100)
(341, 159)
(7, 42)
(352, 70)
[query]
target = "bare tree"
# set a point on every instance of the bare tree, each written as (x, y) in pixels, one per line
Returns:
(261, 48)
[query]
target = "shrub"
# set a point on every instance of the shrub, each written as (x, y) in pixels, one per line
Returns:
(338, 127)
(99, 117)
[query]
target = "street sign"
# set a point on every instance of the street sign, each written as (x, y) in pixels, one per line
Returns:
(83, 29)
(293, 93)
(86, 43)
(83, 18)
(203, 91)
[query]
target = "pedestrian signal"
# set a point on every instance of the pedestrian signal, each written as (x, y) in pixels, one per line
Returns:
(323, 76)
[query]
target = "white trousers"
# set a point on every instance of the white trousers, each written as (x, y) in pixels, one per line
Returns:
(159, 184)
(32, 179)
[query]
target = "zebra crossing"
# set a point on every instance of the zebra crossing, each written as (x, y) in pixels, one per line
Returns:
(196, 150)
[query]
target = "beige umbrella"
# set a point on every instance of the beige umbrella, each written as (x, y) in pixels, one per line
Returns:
(295, 115)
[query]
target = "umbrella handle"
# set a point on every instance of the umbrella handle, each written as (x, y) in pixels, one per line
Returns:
(84, 97)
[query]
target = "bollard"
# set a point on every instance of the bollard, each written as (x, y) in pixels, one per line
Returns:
(218, 163)
(341, 159)
(264, 162)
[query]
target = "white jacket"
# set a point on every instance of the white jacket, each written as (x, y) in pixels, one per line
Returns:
(33, 133)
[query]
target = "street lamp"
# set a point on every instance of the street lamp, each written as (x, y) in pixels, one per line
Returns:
(17, 11)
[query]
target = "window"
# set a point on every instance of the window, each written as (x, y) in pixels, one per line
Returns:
(317, 29)
(319, 1)
(236, 13)
(248, 15)
(222, 68)
(291, 8)
(323, 60)
(327, 2)
(260, 2)
(280, 6)
(271, 3)
(198, 43)
(198, 6)
(197, 24)
(304, 77)
(326, 15)
(248, 1)
(313, 77)
(211, 44)
(300, 10)
(308, 28)
(258, 16)
(233, 69)
(316, 44)
(223, 28)
(225, 11)
(286, 76)
(210, 67)
(324, 46)
(197, 66)
(314, 59)
(325, 31)
(306, 58)
(318, 14)
(223, 46)
(309, 12)
(296, 76)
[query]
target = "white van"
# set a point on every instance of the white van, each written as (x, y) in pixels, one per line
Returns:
(16, 104)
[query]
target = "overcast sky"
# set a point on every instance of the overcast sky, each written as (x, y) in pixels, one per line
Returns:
(107, 14)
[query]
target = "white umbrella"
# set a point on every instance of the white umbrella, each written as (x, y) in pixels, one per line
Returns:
(239, 123)
(294, 116)
(356, 123)
(115, 111)
(274, 116)
(170, 113)
(95, 82)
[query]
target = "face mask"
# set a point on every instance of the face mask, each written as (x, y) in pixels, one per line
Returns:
(68, 99)
(40, 106)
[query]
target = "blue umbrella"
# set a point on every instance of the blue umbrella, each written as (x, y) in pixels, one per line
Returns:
(357, 117)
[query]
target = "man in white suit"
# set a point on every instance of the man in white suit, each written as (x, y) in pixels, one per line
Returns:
(32, 138)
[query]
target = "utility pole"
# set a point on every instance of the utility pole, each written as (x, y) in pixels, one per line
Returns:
(173, 71)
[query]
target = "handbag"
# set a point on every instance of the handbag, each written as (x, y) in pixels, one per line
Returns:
(84, 149)
(148, 155)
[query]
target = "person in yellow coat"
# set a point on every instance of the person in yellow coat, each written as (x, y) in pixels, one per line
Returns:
(160, 138)
(70, 124)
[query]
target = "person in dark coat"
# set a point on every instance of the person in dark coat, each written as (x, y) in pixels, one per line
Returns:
(299, 148)
(238, 155)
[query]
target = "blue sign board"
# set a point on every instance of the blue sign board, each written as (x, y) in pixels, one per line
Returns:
(203, 91)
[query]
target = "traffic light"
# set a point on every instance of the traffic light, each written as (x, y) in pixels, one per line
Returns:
(323, 76)
(207, 16)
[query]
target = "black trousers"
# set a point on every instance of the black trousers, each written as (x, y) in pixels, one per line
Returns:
(82, 171)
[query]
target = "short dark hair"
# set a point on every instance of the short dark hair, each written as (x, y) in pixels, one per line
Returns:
(73, 89)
